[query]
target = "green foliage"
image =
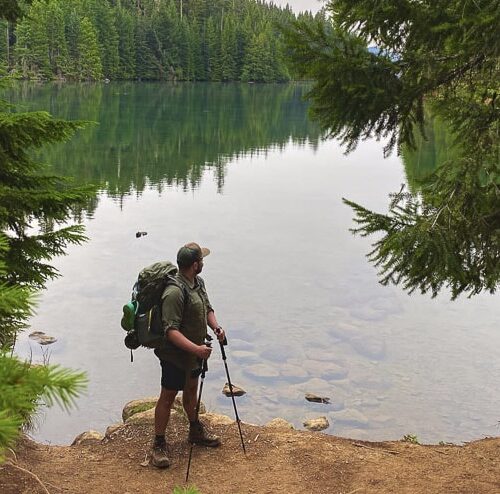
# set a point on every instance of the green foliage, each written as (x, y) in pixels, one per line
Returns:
(446, 56)
(24, 387)
(89, 64)
(148, 40)
(429, 241)
(32, 204)
(35, 209)
(11, 9)
(185, 490)
(15, 303)
(411, 438)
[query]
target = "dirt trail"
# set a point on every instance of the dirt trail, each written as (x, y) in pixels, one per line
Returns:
(277, 461)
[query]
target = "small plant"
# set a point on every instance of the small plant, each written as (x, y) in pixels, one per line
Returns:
(411, 438)
(186, 490)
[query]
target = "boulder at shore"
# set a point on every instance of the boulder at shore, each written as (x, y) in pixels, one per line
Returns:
(319, 424)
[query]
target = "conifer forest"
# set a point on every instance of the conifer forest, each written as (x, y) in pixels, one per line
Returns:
(183, 40)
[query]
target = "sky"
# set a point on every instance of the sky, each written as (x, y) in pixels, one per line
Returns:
(299, 5)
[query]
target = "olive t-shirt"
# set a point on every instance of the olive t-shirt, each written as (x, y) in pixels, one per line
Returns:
(188, 316)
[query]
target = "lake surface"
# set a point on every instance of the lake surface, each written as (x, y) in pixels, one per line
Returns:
(241, 169)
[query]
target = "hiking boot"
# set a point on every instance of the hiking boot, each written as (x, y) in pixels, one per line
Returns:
(199, 435)
(159, 458)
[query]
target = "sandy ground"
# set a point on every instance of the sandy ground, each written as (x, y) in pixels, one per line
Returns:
(278, 460)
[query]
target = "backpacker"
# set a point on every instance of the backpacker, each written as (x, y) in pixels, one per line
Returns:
(142, 315)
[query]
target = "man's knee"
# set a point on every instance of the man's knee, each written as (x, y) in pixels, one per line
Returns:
(191, 386)
(167, 397)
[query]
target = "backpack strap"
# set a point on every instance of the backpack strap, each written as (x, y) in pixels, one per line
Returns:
(172, 280)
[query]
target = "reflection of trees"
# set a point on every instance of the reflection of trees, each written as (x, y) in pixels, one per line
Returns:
(438, 147)
(446, 231)
(165, 134)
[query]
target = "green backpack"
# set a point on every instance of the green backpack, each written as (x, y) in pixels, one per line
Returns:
(142, 315)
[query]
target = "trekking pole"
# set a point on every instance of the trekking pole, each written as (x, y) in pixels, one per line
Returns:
(222, 343)
(204, 368)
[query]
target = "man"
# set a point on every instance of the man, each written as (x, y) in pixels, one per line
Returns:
(186, 312)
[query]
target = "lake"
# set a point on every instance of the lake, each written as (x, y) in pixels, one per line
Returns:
(240, 169)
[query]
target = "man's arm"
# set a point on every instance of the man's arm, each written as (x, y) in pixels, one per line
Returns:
(211, 319)
(217, 329)
(180, 341)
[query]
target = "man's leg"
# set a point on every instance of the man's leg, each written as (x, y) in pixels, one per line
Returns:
(172, 379)
(159, 457)
(190, 398)
(197, 432)
(162, 410)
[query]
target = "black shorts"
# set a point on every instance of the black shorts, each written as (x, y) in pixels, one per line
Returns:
(174, 378)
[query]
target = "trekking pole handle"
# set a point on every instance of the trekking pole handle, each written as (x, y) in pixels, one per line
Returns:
(222, 344)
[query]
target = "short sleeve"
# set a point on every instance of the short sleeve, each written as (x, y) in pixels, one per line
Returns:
(172, 307)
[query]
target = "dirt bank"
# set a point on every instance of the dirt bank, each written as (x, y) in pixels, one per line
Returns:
(277, 461)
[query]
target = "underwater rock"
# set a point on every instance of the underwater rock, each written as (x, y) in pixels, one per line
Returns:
(41, 338)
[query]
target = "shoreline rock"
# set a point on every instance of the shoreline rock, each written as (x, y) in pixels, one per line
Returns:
(316, 425)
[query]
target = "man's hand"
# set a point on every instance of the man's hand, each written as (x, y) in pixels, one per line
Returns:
(220, 333)
(203, 352)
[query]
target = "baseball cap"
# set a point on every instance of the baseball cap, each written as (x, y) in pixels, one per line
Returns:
(190, 253)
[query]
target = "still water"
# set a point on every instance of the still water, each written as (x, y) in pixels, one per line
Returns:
(241, 169)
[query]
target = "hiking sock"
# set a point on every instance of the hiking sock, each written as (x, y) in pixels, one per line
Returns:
(160, 440)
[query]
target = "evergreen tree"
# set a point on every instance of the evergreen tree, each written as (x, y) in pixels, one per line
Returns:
(228, 50)
(89, 59)
(33, 206)
(148, 39)
(102, 17)
(4, 44)
(33, 40)
(146, 64)
(72, 31)
(58, 50)
(126, 47)
(196, 52)
(258, 63)
(447, 56)
(213, 68)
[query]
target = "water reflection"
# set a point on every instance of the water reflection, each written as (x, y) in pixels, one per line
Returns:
(436, 147)
(303, 309)
(157, 135)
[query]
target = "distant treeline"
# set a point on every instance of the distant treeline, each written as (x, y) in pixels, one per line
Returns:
(192, 40)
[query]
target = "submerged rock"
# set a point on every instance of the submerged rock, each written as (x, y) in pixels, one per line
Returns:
(316, 425)
(245, 356)
(261, 371)
(370, 347)
(294, 373)
(325, 370)
(41, 338)
(352, 417)
(237, 391)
